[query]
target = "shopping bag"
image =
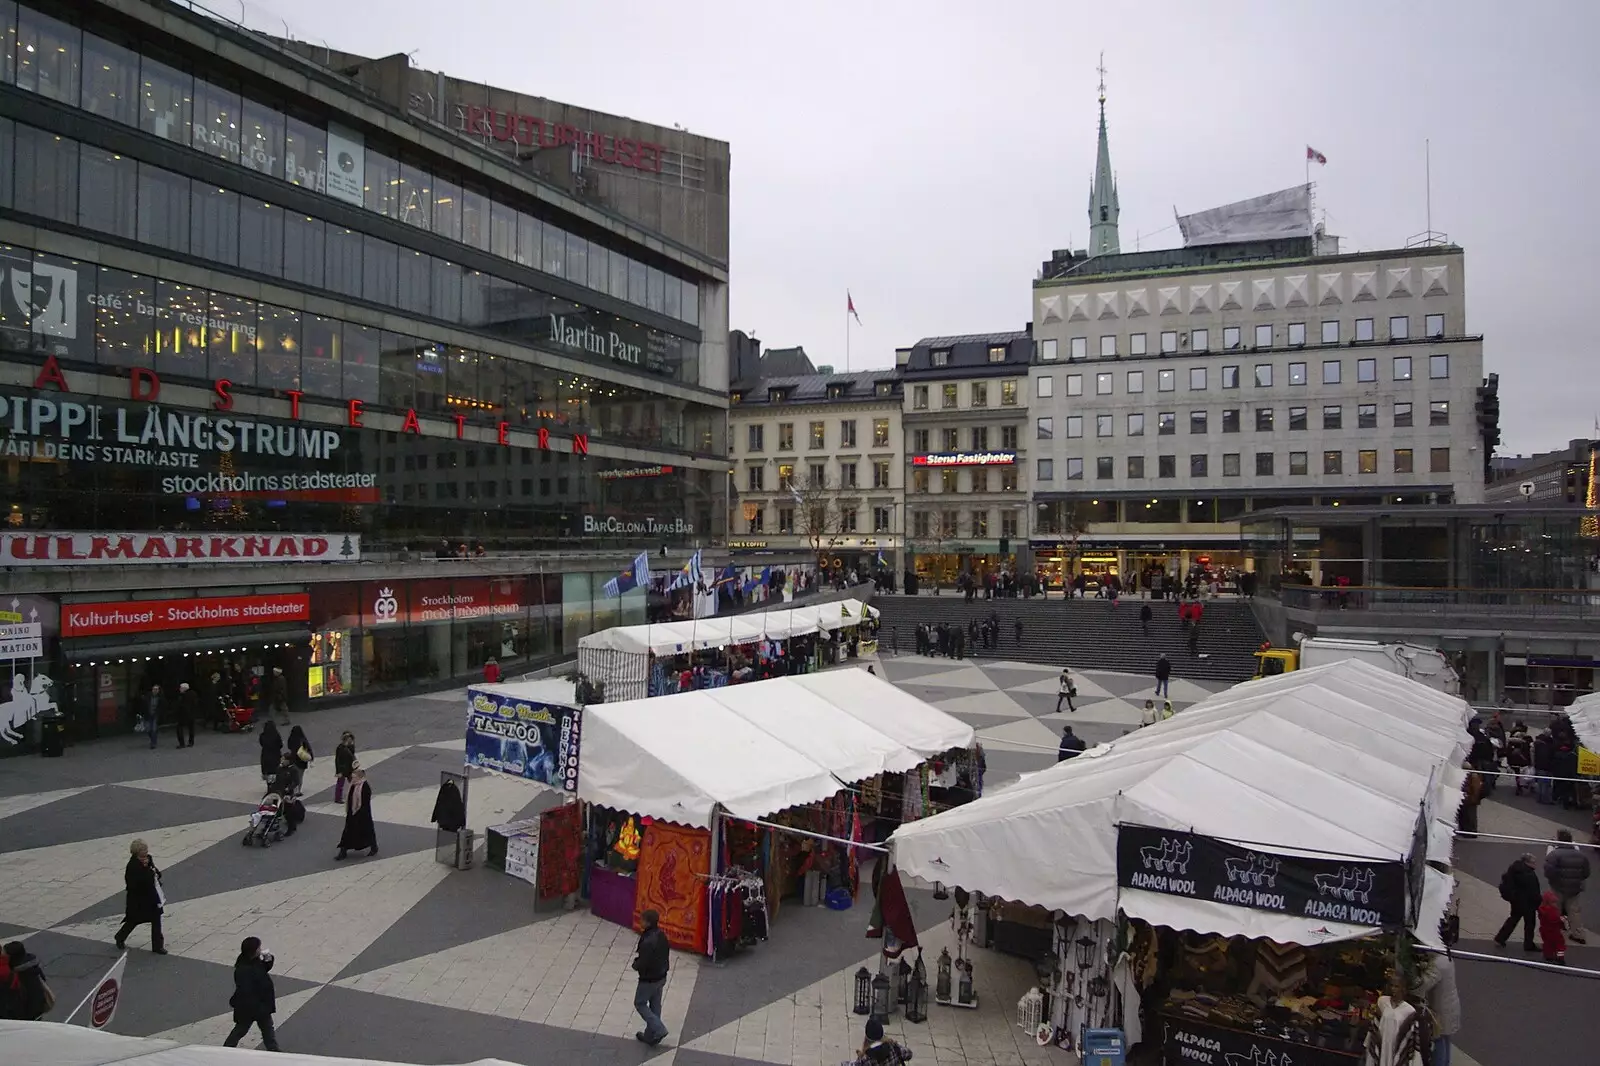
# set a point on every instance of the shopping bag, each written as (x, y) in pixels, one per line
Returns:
(338, 790)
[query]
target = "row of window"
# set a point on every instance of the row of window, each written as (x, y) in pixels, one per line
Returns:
(816, 435)
(1265, 420)
(949, 439)
(977, 395)
(817, 477)
(59, 179)
(950, 524)
(1173, 341)
(941, 356)
(58, 61)
(1401, 369)
(978, 479)
(1266, 462)
(101, 315)
(847, 520)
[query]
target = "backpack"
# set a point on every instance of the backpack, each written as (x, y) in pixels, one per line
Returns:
(1508, 886)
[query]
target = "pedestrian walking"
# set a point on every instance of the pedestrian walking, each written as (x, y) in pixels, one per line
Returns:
(24, 993)
(359, 832)
(271, 750)
(1148, 716)
(186, 709)
(1145, 615)
(1163, 676)
(1566, 869)
(1438, 986)
(254, 999)
(1194, 641)
(1017, 625)
(1552, 930)
(878, 1051)
(278, 694)
(298, 748)
(491, 672)
(146, 898)
(651, 962)
(344, 765)
(1543, 757)
(1519, 887)
(154, 706)
(1072, 745)
(1564, 770)
(1066, 691)
(1471, 796)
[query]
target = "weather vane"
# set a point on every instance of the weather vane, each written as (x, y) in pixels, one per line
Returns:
(1102, 69)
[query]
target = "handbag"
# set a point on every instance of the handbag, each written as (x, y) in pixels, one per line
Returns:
(303, 755)
(138, 724)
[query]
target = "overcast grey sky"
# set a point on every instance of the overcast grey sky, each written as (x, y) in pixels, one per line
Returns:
(928, 155)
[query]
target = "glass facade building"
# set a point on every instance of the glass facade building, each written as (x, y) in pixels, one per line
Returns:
(230, 304)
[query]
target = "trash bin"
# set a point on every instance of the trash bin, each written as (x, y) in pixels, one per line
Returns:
(52, 734)
(1103, 1047)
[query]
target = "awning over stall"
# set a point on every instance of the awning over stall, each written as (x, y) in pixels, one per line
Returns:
(757, 748)
(672, 638)
(1585, 715)
(1335, 764)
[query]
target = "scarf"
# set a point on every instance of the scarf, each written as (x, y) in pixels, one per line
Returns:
(353, 801)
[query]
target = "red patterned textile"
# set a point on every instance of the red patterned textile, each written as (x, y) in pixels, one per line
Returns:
(673, 866)
(560, 851)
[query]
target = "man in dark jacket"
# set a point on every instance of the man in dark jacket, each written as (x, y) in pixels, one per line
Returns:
(1145, 615)
(1072, 745)
(1565, 870)
(1543, 756)
(254, 999)
(186, 712)
(1564, 771)
(1519, 887)
(1163, 677)
(650, 963)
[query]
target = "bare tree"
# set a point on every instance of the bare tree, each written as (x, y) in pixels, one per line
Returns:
(1073, 525)
(817, 514)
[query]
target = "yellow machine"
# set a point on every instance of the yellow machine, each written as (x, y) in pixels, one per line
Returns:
(1270, 662)
(1430, 666)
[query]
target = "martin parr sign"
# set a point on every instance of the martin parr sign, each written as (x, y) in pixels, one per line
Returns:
(150, 549)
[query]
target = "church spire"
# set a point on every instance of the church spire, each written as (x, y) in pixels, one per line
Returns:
(1103, 206)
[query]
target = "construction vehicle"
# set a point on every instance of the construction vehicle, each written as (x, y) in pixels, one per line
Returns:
(1427, 665)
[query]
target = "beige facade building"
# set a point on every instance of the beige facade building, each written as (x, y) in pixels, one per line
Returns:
(818, 468)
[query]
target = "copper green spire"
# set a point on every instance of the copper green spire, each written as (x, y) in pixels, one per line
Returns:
(1103, 207)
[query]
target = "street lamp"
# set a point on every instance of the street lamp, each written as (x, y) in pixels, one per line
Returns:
(863, 996)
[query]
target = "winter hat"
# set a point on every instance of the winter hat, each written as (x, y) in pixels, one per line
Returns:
(874, 1029)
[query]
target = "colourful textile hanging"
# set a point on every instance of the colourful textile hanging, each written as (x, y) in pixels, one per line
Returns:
(674, 863)
(560, 851)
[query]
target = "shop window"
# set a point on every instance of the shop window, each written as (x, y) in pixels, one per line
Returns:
(124, 318)
(278, 344)
(232, 330)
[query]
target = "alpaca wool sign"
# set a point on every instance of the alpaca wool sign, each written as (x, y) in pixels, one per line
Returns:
(1351, 890)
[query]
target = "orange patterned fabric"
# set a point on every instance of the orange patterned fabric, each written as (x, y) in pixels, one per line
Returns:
(673, 866)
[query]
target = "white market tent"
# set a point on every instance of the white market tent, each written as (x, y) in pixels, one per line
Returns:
(56, 1044)
(758, 748)
(672, 638)
(1334, 760)
(1585, 715)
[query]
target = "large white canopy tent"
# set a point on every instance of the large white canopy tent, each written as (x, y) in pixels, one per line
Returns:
(619, 658)
(1335, 760)
(1585, 715)
(758, 748)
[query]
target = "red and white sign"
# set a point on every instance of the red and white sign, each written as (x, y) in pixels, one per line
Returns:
(107, 994)
(135, 549)
(148, 616)
(964, 459)
(444, 600)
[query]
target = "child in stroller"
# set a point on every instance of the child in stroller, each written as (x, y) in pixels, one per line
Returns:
(269, 822)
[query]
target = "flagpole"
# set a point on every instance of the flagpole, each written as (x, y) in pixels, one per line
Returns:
(847, 334)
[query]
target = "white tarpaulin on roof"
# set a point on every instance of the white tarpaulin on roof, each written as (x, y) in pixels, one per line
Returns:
(671, 638)
(1338, 761)
(1275, 216)
(55, 1044)
(755, 749)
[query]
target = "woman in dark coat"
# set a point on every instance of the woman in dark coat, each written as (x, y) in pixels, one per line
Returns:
(358, 829)
(254, 999)
(145, 898)
(271, 749)
(344, 763)
(297, 742)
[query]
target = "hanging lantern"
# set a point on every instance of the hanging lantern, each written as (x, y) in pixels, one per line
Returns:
(1085, 956)
(881, 1003)
(965, 996)
(917, 995)
(1030, 1010)
(941, 988)
(863, 996)
(939, 891)
(902, 981)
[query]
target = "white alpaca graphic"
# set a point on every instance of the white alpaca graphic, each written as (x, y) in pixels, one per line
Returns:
(1171, 857)
(1254, 869)
(1351, 884)
(24, 706)
(1258, 1057)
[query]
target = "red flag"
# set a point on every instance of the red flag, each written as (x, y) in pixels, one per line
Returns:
(1315, 156)
(850, 306)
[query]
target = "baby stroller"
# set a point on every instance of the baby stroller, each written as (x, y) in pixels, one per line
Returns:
(235, 719)
(270, 821)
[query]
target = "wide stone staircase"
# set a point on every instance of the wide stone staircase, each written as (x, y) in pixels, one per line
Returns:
(1090, 634)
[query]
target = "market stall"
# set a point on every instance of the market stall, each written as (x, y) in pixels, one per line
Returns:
(631, 662)
(753, 792)
(1235, 879)
(530, 730)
